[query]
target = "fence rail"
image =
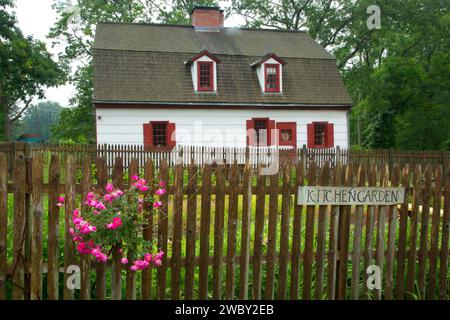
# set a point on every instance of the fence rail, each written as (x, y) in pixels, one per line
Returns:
(200, 155)
(230, 233)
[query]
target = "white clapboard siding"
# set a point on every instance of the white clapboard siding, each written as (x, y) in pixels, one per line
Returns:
(215, 127)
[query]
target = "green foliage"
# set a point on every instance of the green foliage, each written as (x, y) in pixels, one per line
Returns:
(26, 67)
(178, 11)
(77, 124)
(38, 119)
(393, 74)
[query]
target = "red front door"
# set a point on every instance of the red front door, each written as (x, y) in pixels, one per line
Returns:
(287, 134)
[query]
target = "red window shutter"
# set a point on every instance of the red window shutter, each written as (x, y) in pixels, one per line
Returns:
(271, 126)
(310, 132)
(330, 135)
(171, 139)
(250, 134)
(148, 135)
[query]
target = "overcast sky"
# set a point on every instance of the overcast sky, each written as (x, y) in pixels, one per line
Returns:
(36, 17)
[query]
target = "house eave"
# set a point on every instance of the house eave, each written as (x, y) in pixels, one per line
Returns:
(228, 105)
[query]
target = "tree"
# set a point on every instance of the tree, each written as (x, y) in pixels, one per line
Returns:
(413, 34)
(26, 69)
(76, 28)
(178, 11)
(39, 119)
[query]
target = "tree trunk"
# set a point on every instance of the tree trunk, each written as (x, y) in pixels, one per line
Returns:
(6, 130)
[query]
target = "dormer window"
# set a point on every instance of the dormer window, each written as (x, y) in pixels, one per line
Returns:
(204, 72)
(269, 70)
(272, 77)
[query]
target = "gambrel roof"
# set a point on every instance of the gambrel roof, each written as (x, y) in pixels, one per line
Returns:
(145, 63)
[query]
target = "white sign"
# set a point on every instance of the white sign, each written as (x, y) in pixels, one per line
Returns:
(350, 195)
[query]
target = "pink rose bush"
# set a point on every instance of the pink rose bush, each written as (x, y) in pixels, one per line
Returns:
(115, 220)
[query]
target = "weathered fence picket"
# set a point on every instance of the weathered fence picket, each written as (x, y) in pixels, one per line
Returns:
(3, 224)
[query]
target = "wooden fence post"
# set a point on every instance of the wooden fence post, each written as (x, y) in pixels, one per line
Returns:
(425, 217)
(392, 227)
(3, 223)
(245, 234)
(37, 212)
(218, 233)
(205, 226)
(272, 237)
(380, 245)
(147, 274)
(333, 238)
(191, 230)
(412, 250)
(231, 232)
(163, 215)
(434, 245)
(443, 281)
(321, 236)
(356, 256)
(131, 275)
(403, 224)
(343, 240)
(258, 235)
(69, 250)
(116, 273)
(284, 231)
(309, 237)
(85, 260)
(177, 234)
(19, 232)
(102, 180)
(296, 236)
(53, 229)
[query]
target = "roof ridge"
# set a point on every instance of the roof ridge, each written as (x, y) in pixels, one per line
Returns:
(151, 24)
(216, 54)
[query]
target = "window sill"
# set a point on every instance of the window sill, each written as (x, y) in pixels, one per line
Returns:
(269, 93)
(212, 93)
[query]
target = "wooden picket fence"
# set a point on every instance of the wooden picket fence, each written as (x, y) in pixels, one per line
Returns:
(229, 233)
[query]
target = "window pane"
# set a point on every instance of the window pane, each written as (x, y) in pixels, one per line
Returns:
(159, 134)
(271, 77)
(319, 134)
(261, 132)
(286, 135)
(205, 75)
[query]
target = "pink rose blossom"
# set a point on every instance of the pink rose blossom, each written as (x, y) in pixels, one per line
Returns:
(133, 268)
(162, 184)
(157, 204)
(60, 202)
(157, 262)
(124, 261)
(109, 188)
(117, 222)
(160, 191)
(100, 206)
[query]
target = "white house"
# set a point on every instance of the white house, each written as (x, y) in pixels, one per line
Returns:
(163, 85)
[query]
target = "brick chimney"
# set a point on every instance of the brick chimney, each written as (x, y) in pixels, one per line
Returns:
(207, 18)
